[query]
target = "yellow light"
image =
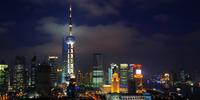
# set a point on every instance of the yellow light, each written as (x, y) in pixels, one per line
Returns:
(138, 76)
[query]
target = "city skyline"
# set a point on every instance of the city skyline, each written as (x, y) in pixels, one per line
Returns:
(158, 34)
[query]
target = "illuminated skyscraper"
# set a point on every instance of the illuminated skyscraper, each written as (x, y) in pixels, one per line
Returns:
(97, 74)
(4, 77)
(70, 40)
(80, 77)
(115, 81)
(138, 78)
(124, 78)
(115, 85)
(53, 63)
(110, 71)
(64, 59)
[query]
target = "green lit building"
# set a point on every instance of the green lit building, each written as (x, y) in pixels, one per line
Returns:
(4, 77)
(97, 73)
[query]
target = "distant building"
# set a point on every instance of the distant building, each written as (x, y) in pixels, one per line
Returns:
(97, 73)
(55, 70)
(88, 79)
(4, 77)
(33, 71)
(123, 78)
(80, 77)
(43, 79)
(19, 75)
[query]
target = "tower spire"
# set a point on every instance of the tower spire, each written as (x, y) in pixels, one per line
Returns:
(70, 17)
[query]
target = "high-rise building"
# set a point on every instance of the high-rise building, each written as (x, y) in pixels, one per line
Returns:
(64, 60)
(115, 84)
(43, 82)
(80, 77)
(19, 74)
(123, 78)
(138, 77)
(56, 70)
(88, 78)
(4, 77)
(70, 40)
(33, 72)
(97, 73)
(131, 85)
(110, 71)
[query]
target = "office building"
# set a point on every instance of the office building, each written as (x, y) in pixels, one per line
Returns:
(123, 78)
(19, 74)
(54, 64)
(43, 79)
(33, 71)
(110, 71)
(115, 85)
(97, 73)
(4, 77)
(138, 77)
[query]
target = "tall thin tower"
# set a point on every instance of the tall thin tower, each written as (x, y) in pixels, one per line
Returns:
(70, 39)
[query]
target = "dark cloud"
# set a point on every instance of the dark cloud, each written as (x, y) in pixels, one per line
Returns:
(100, 8)
(149, 4)
(3, 30)
(161, 18)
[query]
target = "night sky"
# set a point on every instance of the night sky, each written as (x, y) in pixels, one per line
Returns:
(160, 34)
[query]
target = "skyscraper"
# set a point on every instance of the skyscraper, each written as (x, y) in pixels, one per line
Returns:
(4, 77)
(33, 71)
(124, 78)
(64, 59)
(43, 81)
(131, 83)
(111, 70)
(97, 73)
(53, 63)
(70, 40)
(138, 78)
(115, 83)
(19, 74)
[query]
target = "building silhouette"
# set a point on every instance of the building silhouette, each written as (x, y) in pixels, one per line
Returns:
(33, 71)
(20, 80)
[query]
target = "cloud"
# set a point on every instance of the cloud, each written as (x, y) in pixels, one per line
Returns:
(3, 30)
(148, 4)
(44, 2)
(98, 8)
(101, 38)
(162, 18)
(91, 7)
